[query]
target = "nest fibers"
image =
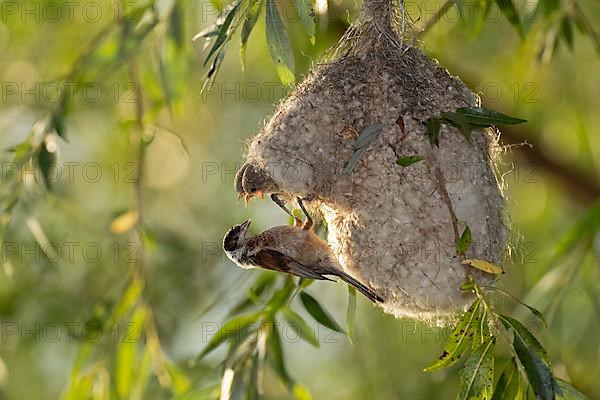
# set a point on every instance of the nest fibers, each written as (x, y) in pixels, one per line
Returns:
(393, 228)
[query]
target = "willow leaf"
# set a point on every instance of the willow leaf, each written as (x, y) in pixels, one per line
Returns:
(279, 44)
(477, 375)
(458, 341)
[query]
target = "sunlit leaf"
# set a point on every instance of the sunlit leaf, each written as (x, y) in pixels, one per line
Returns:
(142, 374)
(477, 375)
(318, 313)
(485, 117)
(126, 356)
(458, 341)
(484, 266)
(409, 160)
(235, 326)
(128, 301)
(464, 242)
(297, 323)
(279, 44)
(124, 222)
(301, 393)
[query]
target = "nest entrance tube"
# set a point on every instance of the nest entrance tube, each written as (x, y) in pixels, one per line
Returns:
(393, 228)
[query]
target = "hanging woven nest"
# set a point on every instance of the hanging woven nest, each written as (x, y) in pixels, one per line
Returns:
(394, 228)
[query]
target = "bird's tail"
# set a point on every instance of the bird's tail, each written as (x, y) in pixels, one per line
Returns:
(365, 290)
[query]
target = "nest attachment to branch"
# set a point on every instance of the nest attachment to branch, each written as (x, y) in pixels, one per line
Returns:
(393, 227)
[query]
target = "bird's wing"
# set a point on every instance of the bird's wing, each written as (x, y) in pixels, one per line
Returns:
(278, 261)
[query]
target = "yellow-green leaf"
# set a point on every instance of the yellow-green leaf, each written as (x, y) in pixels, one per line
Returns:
(484, 266)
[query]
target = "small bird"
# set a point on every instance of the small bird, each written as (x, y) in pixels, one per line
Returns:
(251, 182)
(295, 250)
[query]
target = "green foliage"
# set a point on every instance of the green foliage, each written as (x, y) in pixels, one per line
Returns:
(409, 160)
(467, 119)
(464, 243)
(147, 47)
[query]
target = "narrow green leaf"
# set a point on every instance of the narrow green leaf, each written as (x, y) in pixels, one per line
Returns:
(464, 242)
(569, 392)
(307, 17)
(176, 30)
(509, 384)
(477, 375)
(180, 383)
(409, 160)
(433, 131)
(481, 330)
(525, 335)
(460, 121)
(510, 12)
(275, 355)
(126, 354)
(566, 31)
(223, 32)
(254, 10)
(233, 327)
(458, 341)
(300, 326)
(533, 310)
(279, 44)
(365, 138)
(485, 117)
(351, 313)
(537, 370)
(46, 161)
(57, 122)
(318, 313)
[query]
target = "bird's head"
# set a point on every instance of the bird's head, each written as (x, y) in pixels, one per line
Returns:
(251, 181)
(236, 236)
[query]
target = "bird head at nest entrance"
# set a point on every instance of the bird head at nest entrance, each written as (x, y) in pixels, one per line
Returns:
(251, 182)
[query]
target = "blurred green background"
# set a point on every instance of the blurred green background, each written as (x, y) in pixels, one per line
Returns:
(68, 265)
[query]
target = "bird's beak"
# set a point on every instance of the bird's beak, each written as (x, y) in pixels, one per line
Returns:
(244, 227)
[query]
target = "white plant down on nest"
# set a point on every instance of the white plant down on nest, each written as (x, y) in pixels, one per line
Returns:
(392, 227)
